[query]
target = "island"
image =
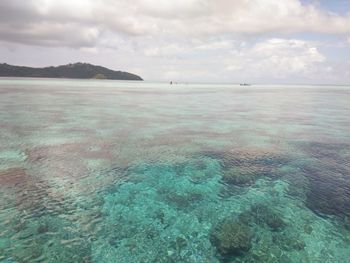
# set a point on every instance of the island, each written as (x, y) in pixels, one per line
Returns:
(74, 70)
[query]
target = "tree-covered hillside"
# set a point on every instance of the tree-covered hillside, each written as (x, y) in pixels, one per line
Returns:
(76, 70)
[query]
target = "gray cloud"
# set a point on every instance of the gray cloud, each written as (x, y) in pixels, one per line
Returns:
(84, 23)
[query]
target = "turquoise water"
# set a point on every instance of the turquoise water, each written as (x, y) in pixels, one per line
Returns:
(107, 171)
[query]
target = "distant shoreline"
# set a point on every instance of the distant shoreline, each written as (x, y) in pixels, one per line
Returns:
(69, 71)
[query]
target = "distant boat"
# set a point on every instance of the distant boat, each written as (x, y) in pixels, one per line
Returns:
(245, 84)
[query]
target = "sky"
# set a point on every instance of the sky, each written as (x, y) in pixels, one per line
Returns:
(234, 41)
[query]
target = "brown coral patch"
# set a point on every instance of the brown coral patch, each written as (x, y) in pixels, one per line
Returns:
(231, 238)
(12, 176)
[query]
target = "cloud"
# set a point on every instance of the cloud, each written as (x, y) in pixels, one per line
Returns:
(211, 40)
(43, 23)
(223, 44)
(84, 23)
(164, 51)
(277, 58)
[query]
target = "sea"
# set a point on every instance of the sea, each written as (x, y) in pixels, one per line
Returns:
(118, 171)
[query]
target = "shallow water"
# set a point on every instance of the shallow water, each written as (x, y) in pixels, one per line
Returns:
(107, 171)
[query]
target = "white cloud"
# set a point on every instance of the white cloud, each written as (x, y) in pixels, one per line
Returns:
(92, 50)
(277, 58)
(224, 60)
(224, 44)
(164, 51)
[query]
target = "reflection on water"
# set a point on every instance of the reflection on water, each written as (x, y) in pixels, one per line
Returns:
(107, 171)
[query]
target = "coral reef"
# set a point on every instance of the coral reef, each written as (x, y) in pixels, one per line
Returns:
(262, 215)
(244, 167)
(231, 238)
(117, 173)
(265, 159)
(241, 176)
(327, 171)
(168, 211)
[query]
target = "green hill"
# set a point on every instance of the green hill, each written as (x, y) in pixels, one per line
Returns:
(75, 71)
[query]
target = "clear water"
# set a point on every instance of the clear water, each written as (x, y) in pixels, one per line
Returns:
(107, 171)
